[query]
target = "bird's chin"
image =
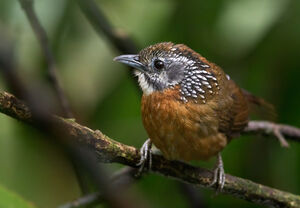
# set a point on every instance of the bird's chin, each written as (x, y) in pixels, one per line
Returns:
(144, 83)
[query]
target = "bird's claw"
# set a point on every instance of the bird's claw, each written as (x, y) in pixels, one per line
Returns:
(219, 174)
(146, 155)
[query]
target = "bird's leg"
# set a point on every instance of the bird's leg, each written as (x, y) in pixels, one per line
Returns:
(219, 174)
(146, 155)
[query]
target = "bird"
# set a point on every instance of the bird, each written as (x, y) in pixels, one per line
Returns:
(191, 109)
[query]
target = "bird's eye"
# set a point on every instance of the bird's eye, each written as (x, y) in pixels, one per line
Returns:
(158, 64)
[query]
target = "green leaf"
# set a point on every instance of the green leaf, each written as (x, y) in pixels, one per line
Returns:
(10, 199)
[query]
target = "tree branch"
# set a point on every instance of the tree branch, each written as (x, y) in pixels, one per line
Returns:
(112, 151)
(278, 130)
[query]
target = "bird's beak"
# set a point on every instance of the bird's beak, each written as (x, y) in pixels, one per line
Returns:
(132, 61)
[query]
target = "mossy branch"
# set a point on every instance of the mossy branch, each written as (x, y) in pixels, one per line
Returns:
(110, 151)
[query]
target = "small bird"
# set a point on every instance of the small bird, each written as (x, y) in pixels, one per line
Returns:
(190, 108)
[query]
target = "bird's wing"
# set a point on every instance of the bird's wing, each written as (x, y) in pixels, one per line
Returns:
(235, 118)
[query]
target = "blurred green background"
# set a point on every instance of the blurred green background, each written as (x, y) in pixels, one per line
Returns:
(255, 41)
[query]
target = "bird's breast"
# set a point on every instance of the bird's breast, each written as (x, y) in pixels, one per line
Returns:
(182, 131)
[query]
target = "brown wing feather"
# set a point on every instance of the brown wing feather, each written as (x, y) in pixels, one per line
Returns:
(235, 119)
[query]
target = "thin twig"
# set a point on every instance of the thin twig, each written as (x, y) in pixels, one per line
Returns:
(120, 40)
(121, 179)
(280, 131)
(84, 201)
(41, 35)
(117, 38)
(110, 192)
(110, 151)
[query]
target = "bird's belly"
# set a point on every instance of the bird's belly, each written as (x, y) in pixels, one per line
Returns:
(182, 131)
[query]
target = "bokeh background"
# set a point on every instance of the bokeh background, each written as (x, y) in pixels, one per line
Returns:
(255, 41)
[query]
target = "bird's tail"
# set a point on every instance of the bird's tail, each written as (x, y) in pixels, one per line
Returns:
(259, 108)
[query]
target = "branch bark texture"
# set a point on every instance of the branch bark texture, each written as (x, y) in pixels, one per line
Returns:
(110, 151)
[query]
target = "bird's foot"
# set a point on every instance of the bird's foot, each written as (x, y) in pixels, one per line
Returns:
(146, 156)
(219, 174)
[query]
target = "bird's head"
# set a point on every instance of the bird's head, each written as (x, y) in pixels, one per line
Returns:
(164, 65)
